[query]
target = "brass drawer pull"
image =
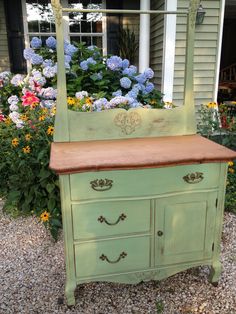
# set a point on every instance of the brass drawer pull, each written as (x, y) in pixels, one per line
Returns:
(101, 184)
(105, 258)
(103, 219)
(194, 177)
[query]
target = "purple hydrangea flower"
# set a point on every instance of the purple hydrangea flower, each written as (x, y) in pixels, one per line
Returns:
(36, 42)
(69, 49)
(47, 63)
(48, 93)
(117, 93)
(100, 104)
(13, 100)
(125, 82)
(48, 103)
(114, 63)
(17, 80)
(149, 87)
(50, 71)
(28, 53)
(125, 63)
(148, 73)
(51, 42)
(36, 59)
(84, 65)
(81, 94)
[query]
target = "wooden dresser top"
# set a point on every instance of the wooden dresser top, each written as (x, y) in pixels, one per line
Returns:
(138, 153)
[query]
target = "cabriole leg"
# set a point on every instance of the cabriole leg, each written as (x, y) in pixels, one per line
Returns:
(70, 293)
(215, 273)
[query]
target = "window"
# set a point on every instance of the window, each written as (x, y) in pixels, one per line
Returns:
(85, 27)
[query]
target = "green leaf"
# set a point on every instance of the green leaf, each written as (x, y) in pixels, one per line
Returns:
(50, 187)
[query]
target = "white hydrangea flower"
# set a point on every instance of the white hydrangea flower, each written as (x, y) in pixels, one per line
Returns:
(14, 116)
(13, 107)
(13, 100)
(81, 94)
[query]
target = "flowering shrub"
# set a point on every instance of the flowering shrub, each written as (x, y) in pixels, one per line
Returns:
(28, 106)
(216, 124)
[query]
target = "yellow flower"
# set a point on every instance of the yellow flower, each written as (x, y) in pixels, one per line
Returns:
(230, 163)
(24, 117)
(26, 149)
(33, 105)
(70, 100)
(8, 121)
(45, 110)
(88, 101)
(53, 111)
(50, 130)
(153, 102)
(15, 142)
(212, 105)
(45, 216)
(231, 170)
(41, 118)
(28, 137)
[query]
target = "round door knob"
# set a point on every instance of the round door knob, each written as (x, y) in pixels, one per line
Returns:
(160, 233)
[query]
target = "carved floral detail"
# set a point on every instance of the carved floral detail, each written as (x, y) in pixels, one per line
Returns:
(128, 122)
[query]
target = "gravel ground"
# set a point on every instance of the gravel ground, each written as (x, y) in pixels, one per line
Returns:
(32, 276)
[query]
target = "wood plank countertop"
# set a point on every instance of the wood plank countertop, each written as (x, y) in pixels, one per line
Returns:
(138, 153)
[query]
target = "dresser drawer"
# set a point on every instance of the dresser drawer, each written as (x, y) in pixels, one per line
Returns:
(112, 256)
(110, 218)
(146, 182)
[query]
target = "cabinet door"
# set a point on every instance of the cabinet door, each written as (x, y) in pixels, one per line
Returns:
(185, 228)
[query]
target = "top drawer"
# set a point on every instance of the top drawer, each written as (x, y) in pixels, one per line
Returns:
(145, 182)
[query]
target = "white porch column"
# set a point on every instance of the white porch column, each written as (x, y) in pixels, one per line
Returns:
(144, 36)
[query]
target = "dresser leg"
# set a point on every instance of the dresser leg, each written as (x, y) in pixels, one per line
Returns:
(70, 293)
(215, 273)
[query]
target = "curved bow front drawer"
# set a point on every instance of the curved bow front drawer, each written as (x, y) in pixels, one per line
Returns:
(110, 218)
(145, 182)
(112, 256)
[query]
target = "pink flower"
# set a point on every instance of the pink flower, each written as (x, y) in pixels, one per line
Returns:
(2, 118)
(29, 99)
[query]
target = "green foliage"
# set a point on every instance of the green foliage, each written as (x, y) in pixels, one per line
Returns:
(128, 44)
(159, 307)
(216, 124)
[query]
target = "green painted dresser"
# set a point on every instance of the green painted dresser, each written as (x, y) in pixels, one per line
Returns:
(142, 195)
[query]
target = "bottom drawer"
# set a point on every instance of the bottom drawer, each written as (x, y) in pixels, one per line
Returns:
(112, 256)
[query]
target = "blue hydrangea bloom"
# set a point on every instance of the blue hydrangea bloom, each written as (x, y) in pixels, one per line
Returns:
(91, 61)
(114, 63)
(50, 71)
(139, 87)
(117, 93)
(148, 73)
(36, 59)
(36, 42)
(149, 87)
(141, 78)
(48, 103)
(28, 53)
(125, 63)
(84, 65)
(130, 71)
(98, 76)
(133, 93)
(69, 49)
(51, 42)
(47, 63)
(92, 47)
(100, 104)
(125, 82)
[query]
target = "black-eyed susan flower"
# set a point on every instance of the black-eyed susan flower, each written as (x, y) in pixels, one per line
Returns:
(45, 216)
(15, 142)
(28, 137)
(42, 118)
(231, 170)
(70, 101)
(230, 163)
(8, 121)
(23, 117)
(50, 130)
(212, 105)
(26, 149)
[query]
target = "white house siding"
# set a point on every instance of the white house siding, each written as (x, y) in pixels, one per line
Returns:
(156, 41)
(4, 56)
(205, 54)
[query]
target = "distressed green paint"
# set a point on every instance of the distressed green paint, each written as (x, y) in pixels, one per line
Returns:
(168, 225)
